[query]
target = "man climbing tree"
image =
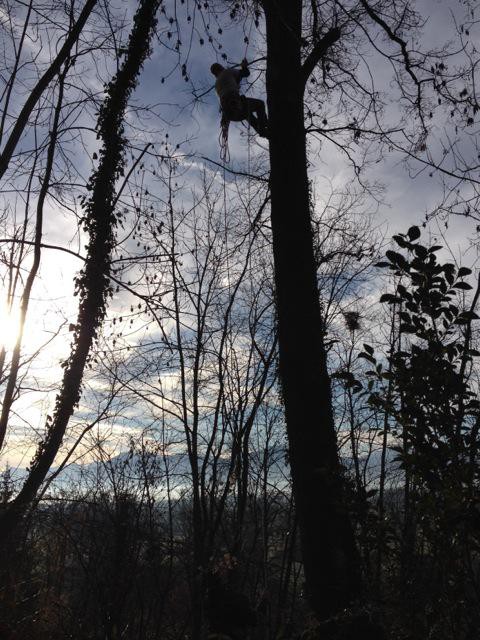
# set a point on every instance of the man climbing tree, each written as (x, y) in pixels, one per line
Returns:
(328, 548)
(236, 107)
(331, 564)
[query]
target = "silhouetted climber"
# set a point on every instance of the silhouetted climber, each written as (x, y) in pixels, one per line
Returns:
(236, 107)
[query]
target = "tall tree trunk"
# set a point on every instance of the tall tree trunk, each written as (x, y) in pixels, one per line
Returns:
(93, 283)
(327, 541)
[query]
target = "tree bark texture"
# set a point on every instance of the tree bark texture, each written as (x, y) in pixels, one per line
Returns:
(330, 559)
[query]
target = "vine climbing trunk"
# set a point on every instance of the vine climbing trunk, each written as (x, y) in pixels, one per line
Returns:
(93, 283)
(330, 560)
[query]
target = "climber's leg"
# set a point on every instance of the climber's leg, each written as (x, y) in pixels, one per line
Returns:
(256, 115)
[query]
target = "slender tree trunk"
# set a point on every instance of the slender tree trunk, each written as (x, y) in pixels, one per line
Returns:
(32, 274)
(37, 91)
(93, 283)
(330, 559)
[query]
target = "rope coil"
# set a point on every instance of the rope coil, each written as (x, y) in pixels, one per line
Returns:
(223, 139)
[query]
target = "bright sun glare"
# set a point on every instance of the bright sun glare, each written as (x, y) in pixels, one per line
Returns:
(8, 327)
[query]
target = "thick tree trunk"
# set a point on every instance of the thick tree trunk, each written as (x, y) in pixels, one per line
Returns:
(329, 555)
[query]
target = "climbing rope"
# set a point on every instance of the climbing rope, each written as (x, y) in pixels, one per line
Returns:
(225, 223)
(223, 141)
(248, 166)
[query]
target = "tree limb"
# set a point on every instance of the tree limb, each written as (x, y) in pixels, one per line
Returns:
(318, 51)
(42, 84)
(403, 48)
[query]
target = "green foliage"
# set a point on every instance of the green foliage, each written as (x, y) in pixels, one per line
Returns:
(7, 487)
(433, 404)
(427, 396)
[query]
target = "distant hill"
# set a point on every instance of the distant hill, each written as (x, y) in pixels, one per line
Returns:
(130, 469)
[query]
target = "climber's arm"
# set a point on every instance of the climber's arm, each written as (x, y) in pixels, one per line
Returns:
(244, 70)
(241, 73)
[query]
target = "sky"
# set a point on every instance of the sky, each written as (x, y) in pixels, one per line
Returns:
(192, 126)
